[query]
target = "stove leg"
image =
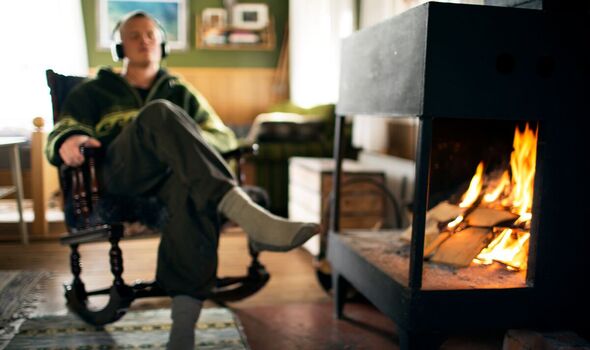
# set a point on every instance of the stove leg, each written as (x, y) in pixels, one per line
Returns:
(340, 286)
(419, 341)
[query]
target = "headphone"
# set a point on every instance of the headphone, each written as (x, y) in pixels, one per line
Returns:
(117, 51)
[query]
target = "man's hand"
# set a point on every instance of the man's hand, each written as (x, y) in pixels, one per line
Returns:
(70, 149)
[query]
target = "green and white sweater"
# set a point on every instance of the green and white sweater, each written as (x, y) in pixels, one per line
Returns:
(102, 107)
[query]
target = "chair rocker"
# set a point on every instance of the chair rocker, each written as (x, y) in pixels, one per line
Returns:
(84, 208)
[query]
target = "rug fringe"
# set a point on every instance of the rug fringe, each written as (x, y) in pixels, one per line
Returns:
(9, 327)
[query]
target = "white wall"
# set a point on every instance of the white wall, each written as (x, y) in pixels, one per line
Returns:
(37, 34)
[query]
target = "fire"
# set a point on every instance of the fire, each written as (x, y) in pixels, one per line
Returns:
(506, 248)
(522, 163)
(510, 247)
(512, 191)
(474, 188)
(455, 222)
(493, 195)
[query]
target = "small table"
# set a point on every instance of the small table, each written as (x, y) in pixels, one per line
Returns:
(17, 181)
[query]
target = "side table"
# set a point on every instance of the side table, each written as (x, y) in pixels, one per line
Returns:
(13, 144)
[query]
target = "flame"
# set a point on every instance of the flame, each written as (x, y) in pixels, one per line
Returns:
(507, 248)
(474, 188)
(515, 193)
(493, 194)
(455, 222)
(523, 162)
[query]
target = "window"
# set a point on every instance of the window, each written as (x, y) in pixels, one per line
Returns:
(38, 35)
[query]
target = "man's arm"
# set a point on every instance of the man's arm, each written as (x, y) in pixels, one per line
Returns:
(73, 130)
(69, 151)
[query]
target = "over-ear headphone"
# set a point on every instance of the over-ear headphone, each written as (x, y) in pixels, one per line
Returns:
(117, 51)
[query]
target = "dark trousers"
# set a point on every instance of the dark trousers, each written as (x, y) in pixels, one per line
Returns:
(162, 153)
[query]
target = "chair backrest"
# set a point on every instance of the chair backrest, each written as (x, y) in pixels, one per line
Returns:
(60, 86)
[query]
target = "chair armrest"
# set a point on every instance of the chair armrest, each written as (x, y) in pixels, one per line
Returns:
(80, 188)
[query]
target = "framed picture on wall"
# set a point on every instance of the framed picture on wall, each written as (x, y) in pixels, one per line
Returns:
(172, 15)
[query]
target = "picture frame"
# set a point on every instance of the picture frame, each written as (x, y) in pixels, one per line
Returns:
(214, 17)
(250, 16)
(172, 15)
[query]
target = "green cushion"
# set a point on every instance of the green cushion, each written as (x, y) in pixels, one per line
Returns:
(324, 111)
(272, 159)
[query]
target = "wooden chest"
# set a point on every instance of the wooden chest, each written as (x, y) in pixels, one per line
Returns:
(310, 184)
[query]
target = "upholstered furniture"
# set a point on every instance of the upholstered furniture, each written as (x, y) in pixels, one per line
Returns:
(287, 131)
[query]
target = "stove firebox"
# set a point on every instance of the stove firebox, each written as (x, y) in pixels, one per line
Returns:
(473, 75)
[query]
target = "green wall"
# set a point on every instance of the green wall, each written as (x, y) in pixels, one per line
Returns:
(194, 57)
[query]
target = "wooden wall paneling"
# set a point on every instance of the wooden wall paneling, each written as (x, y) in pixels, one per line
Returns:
(237, 94)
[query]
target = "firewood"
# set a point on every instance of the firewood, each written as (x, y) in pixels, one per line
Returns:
(486, 217)
(440, 213)
(433, 244)
(461, 247)
(444, 211)
(431, 231)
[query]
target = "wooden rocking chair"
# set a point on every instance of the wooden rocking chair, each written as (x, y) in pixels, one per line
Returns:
(85, 222)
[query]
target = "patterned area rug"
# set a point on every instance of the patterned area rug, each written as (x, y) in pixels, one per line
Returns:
(19, 293)
(217, 329)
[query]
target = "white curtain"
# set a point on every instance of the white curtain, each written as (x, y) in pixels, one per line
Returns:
(37, 35)
(316, 28)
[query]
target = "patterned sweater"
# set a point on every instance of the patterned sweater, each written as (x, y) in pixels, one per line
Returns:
(102, 107)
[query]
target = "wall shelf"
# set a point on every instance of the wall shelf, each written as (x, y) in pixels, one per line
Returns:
(267, 38)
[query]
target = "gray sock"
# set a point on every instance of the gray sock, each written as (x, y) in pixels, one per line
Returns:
(266, 231)
(185, 313)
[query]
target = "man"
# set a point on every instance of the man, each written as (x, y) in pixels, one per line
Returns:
(162, 138)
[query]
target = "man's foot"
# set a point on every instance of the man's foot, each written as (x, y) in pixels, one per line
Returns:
(305, 232)
(265, 230)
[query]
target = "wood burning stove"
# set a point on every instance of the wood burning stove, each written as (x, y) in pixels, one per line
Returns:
(473, 75)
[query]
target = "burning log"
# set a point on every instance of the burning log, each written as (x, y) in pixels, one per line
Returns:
(444, 212)
(460, 248)
(432, 246)
(436, 218)
(487, 217)
(509, 247)
(449, 226)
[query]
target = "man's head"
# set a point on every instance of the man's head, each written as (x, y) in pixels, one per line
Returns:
(139, 39)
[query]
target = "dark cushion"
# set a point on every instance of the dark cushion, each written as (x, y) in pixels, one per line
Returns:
(60, 86)
(291, 132)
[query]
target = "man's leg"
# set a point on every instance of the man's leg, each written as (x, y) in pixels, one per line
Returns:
(163, 137)
(266, 231)
(161, 141)
(185, 313)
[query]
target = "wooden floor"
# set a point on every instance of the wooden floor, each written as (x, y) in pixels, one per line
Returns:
(291, 312)
(292, 297)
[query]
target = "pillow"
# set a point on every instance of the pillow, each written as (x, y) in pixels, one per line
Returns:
(324, 112)
(60, 86)
(286, 127)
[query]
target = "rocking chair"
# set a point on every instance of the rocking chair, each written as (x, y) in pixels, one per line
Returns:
(84, 208)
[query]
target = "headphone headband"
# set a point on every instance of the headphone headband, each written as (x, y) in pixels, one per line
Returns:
(117, 51)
